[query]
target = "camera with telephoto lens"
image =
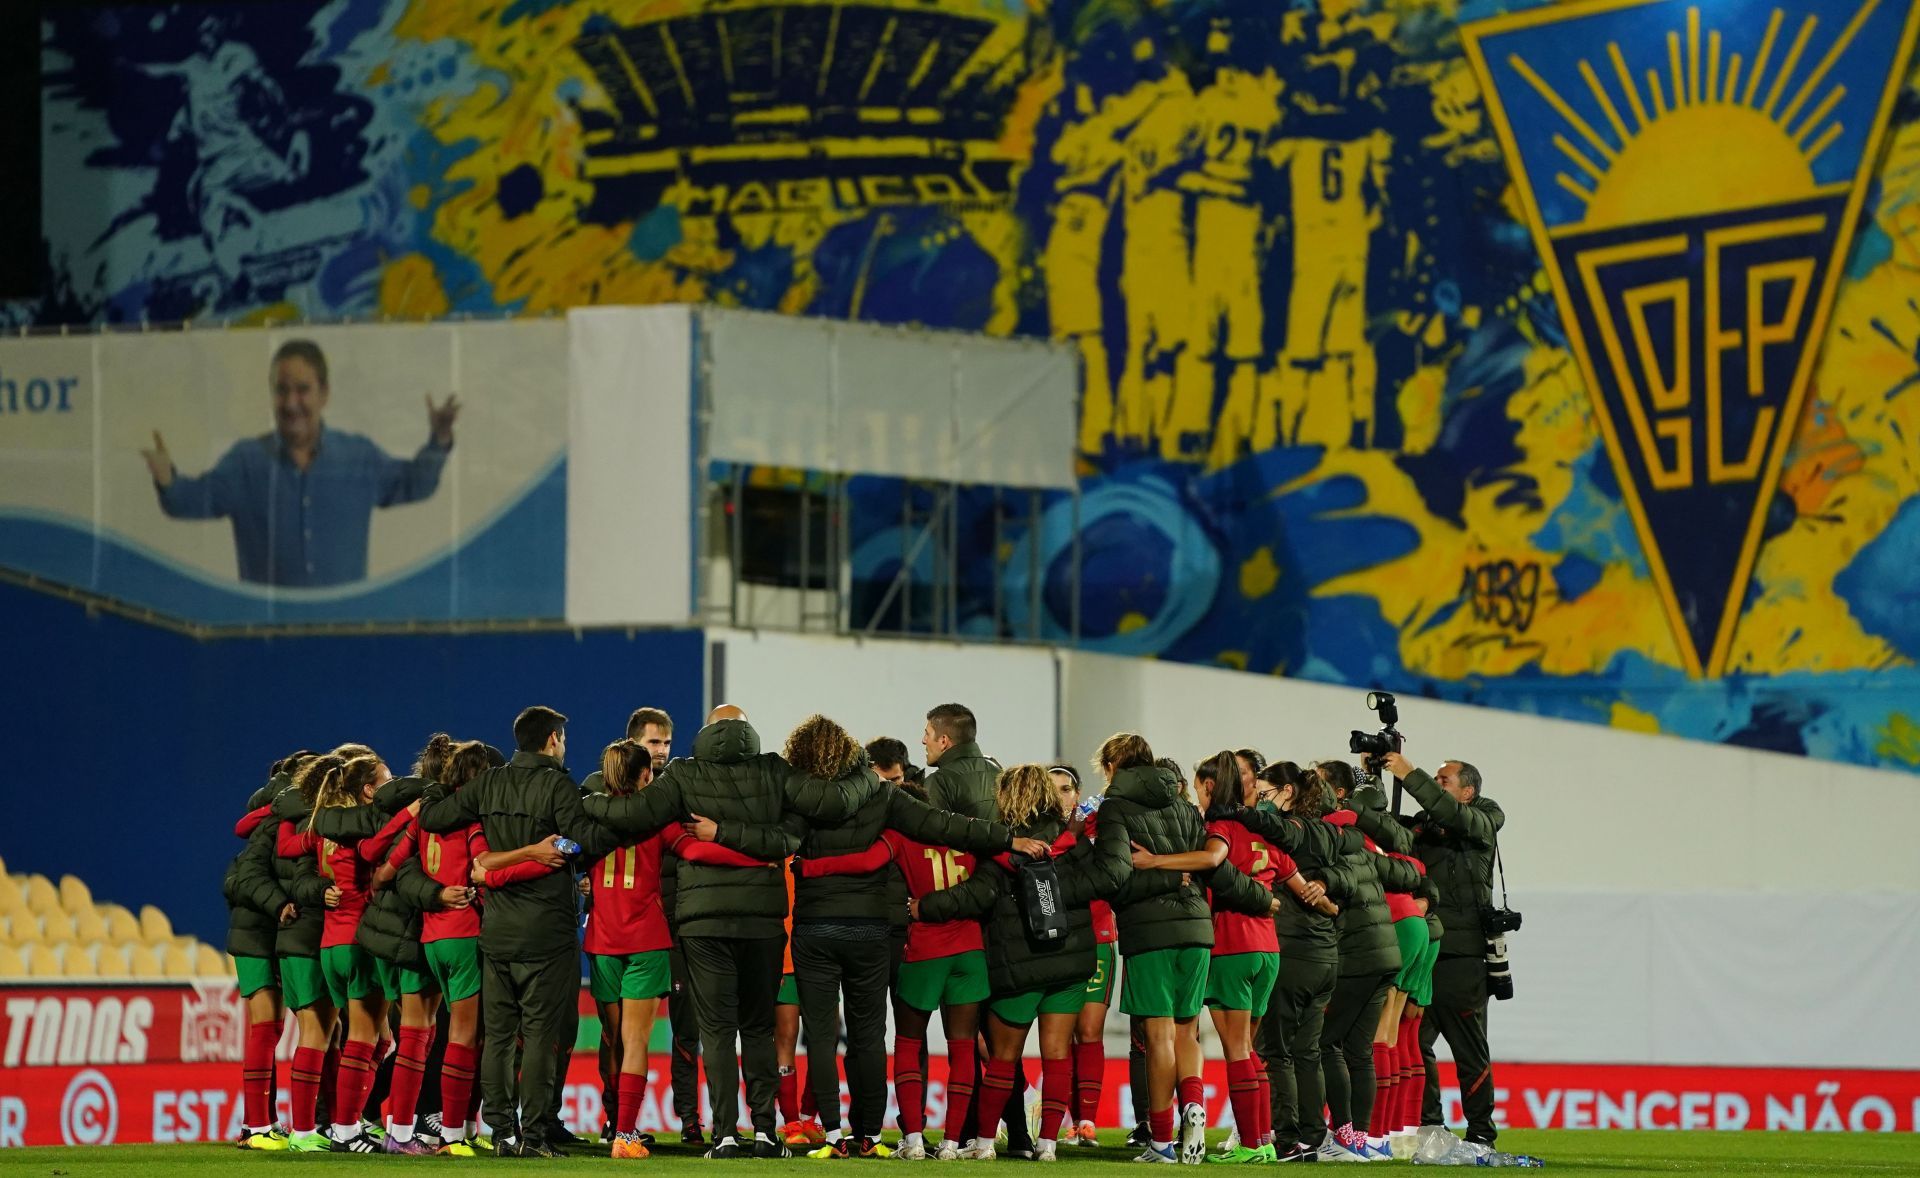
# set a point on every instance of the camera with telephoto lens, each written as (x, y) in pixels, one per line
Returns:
(1375, 746)
(1499, 973)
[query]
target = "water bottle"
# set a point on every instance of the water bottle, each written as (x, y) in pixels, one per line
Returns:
(1087, 806)
(566, 846)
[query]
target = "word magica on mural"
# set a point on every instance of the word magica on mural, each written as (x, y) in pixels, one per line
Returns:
(1560, 357)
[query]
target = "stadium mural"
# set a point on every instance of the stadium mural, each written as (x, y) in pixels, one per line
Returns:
(1576, 375)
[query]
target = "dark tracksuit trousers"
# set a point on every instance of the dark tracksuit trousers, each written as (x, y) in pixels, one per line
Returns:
(735, 982)
(1459, 1012)
(1290, 1044)
(534, 1007)
(1346, 1047)
(685, 1023)
(826, 968)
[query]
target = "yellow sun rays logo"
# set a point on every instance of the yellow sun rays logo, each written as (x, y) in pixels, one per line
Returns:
(1692, 174)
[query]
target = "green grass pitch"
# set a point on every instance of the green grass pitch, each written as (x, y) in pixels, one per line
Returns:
(1614, 1154)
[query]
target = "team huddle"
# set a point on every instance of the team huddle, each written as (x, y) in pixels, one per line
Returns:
(431, 923)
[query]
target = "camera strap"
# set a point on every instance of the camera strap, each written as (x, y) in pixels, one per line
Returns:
(1502, 869)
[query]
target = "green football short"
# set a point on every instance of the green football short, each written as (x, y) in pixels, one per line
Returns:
(1424, 995)
(348, 971)
(1018, 1010)
(630, 976)
(301, 983)
(1165, 983)
(1242, 981)
(943, 981)
(789, 994)
(1106, 963)
(255, 974)
(1411, 932)
(396, 980)
(455, 966)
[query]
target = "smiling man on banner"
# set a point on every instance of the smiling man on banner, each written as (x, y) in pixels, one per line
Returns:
(301, 498)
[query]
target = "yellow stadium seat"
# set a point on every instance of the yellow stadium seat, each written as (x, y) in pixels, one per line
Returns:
(121, 925)
(55, 927)
(75, 962)
(74, 895)
(143, 962)
(42, 962)
(41, 896)
(3, 867)
(178, 963)
(11, 964)
(23, 927)
(154, 925)
(211, 963)
(110, 962)
(87, 925)
(9, 893)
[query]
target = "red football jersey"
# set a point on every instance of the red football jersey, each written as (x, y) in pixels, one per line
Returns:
(448, 861)
(927, 870)
(344, 869)
(627, 915)
(1401, 905)
(1237, 932)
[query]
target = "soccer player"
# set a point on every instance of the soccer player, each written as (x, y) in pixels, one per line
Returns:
(1166, 935)
(1028, 983)
(945, 970)
(346, 968)
(1090, 1029)
(260, 907)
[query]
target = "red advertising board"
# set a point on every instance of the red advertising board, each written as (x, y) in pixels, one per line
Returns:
(96, 1065)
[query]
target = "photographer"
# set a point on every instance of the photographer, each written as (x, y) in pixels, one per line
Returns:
(1454, 836)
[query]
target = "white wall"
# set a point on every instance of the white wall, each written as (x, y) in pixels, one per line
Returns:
(884, 687)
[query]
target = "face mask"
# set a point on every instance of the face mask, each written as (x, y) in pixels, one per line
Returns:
(1267, 805)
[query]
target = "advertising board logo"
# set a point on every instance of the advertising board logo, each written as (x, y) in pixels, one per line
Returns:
(801, 104)
(1693, 174)
(89, 1112)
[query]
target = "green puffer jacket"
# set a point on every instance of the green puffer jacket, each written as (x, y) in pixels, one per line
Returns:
(1143, 805)
(1015, 963)
(741, 788)
(518, 804)
(962, 782)
(299, 878)
(1456, 843)
(252, 890)
(1367, 941)
(1369, 806)
(1320, 851)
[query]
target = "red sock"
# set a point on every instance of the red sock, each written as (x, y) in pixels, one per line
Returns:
(1090, 1072)
(910, 1084)
(996, 1087)
(456, 1084)
(633, 1094)
(1192, 1091)
(808, 1106)
(473, 1093)
(409, 1068)
(256, 1073)
(1243, 1092)
(356, 1078)
(307, 1065)
(1416, 1088)
(1056, 1095)
(787, 1098)
(1263, 1106)
(1160, 1124)
(962, 1058)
